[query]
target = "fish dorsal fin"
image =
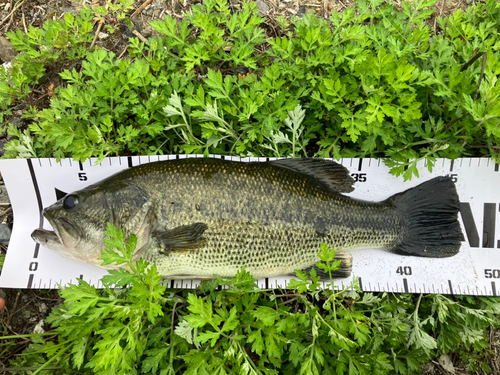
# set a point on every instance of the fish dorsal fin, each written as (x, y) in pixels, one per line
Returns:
(333, 176)
(183, 238)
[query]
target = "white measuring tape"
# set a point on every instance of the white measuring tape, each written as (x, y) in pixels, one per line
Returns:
(33, 184)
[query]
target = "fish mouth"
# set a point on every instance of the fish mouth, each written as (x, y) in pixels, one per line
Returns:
(45, 237)
(65, 232)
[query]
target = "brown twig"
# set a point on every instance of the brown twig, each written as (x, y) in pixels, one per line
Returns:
(289, 301)
(40, 98)
(9, 318)
(11, 15)
(96, 34)
(24, 20)
(141, 8)
(139, 35)
(269, 24)
(471, 61)
(99, 27)
(123, 52)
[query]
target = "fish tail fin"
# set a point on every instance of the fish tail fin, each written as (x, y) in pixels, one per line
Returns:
(344, 270)
(429, 220)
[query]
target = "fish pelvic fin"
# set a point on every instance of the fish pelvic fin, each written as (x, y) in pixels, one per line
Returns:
(330, 175)
(345, 268)
(182, 238)
(429, 220)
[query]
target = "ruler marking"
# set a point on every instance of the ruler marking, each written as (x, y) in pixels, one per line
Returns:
(361, 284)
(360, 165)
(30, 281)
(171, 284)
(496, 167)
(469, 224)
(489, 225)
(267, 283)
(494, 288)
(450, 286)
(39, 201)
(405, 285)
(129, 161)
(451, 165)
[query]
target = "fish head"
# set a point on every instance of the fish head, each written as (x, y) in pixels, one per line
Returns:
(80, 219)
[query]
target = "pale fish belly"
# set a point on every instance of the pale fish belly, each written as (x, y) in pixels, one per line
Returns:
(265, 251)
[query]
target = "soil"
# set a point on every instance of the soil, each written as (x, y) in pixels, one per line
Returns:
(26, 310)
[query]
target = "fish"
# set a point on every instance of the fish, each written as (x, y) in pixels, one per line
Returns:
(200, 217)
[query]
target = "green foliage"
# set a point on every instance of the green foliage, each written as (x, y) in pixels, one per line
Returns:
(370, 82)
(230, 326)
(43, 49)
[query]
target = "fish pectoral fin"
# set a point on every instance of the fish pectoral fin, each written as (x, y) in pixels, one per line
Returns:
(329, 174)
(183, 238)
(345, 268)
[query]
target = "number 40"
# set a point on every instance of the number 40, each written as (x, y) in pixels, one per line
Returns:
(404, 271)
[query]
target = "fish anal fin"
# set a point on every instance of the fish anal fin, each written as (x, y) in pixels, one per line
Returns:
(182, 238)
(329, 174)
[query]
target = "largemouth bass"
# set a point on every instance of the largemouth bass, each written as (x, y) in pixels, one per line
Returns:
(200, 217)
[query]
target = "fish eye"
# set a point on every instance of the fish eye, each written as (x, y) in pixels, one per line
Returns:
(70, 202)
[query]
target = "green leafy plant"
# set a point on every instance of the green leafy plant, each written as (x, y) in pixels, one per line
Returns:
(40, 50)
(373, 82)
(114, 14)
(230, 326)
